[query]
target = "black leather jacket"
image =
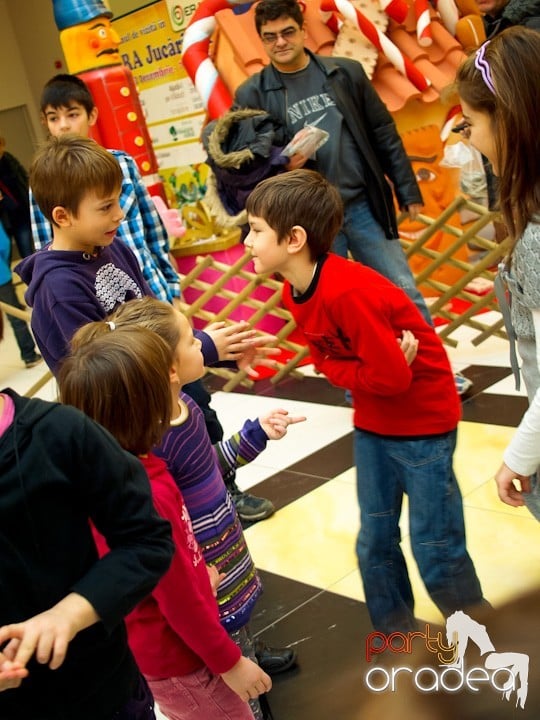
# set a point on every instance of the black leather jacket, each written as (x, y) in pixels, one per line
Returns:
(370, 123)
(515, 12)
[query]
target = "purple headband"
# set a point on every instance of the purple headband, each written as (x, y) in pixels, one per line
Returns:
(481, 64)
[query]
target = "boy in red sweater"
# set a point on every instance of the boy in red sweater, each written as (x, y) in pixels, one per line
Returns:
(366, 335)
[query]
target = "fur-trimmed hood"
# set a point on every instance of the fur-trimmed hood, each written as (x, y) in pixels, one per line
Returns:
(239, 136)
(244, 146)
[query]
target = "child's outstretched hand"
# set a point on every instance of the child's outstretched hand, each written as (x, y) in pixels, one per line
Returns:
(247, 679)
(258, 354)
(275, 424)
(240, 343)
(230, 340)
(409, 345)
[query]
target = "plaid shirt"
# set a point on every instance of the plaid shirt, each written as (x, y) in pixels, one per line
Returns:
(141, 230)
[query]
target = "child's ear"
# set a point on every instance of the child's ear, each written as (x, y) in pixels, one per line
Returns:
(173, 375)
(61, 216)
(93, 116)
(297, 239)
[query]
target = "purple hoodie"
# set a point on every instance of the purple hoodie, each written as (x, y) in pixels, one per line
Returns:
(67, 289)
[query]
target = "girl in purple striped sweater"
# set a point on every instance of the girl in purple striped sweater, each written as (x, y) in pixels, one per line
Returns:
(198, 468)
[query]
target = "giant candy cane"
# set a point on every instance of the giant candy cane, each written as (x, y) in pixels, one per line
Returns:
(449, 13)
(396, 9)
(400, 61)
(213, 91)
(423, 23)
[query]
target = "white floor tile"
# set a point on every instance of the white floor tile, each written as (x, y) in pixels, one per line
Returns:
(324, 424)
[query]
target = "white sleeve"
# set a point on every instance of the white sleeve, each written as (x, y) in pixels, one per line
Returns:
(523, 453)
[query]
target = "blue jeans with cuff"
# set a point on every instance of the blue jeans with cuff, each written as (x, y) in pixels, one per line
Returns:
(422, 468)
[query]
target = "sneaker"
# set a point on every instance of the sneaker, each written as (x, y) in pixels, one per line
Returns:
(463, 384)
(35, 360)
(251, 508)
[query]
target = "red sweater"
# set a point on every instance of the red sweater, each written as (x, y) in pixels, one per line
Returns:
(176, 630)
(352, 317)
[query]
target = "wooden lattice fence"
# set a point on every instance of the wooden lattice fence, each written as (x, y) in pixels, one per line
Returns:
(256, 308)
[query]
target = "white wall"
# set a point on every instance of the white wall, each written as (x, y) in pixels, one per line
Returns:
(30, 50)
(15, 89)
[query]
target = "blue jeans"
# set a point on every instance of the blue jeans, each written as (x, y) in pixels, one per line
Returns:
(422, 468)
(25, 341)
(22, 234)
(362, 235)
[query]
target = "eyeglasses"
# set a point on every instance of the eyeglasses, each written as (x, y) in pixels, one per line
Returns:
(272, 38)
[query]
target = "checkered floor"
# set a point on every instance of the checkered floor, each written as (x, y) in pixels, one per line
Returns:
(314, 598)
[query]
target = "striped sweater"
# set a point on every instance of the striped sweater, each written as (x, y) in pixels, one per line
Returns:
(196, 469)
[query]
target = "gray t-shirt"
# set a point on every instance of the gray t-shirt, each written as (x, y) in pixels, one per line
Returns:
(338, 159)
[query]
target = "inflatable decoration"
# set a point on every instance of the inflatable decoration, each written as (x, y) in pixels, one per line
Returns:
(91, 49)
(199, 67)
(379, 39)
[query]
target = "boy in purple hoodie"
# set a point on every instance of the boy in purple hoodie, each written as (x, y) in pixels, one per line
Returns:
(86, 272)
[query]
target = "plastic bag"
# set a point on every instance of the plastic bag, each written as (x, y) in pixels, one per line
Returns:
(472, 178)
(306, 141)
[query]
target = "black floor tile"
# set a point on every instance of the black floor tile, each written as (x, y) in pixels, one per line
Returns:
(306, 389)
(329, 633)
(306, 475)
(495, 409)
(285, 487)
(483, 376)
(329, 461)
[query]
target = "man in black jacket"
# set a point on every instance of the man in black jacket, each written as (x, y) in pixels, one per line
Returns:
(501, 14)
(363, 149)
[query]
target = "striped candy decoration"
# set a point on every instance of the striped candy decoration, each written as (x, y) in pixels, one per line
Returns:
(195, 57)
(423, 23)
(400, 61)
(396, 9)
(449, 13)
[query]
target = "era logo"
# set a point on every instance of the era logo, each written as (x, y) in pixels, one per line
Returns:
(180, 13)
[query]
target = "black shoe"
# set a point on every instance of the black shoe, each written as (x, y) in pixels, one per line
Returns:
(34, 360)
(250, 508)
(274, 660)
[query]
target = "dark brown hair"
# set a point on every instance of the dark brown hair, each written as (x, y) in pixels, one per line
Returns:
(513, 58)
(299, 197)
(120, 378)
(63, 89)
(268, 10)
(68, 167)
